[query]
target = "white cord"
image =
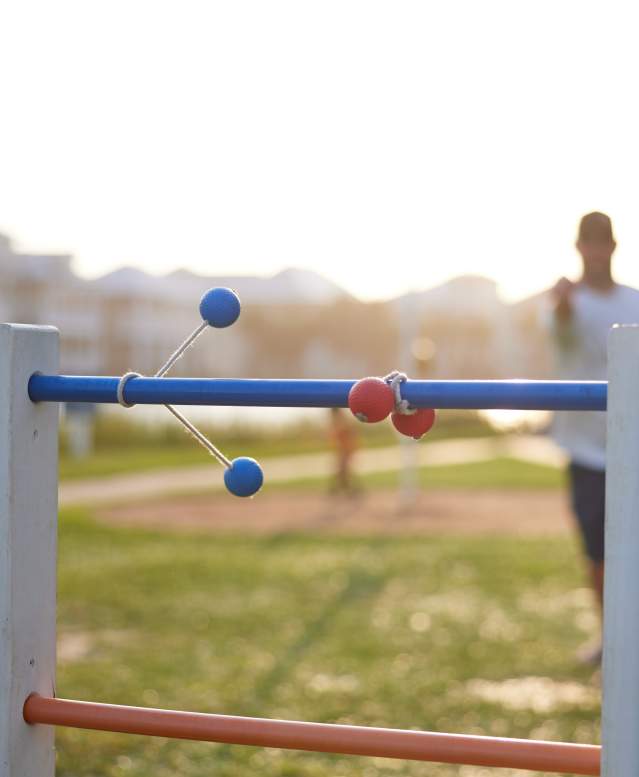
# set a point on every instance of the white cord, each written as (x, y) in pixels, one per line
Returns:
(395, 380)
(201, 438)
(179, 351)
(204, 441)
(122, 385)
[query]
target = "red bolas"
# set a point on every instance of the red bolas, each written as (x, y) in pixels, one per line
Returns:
(371, 400)
(416, 424)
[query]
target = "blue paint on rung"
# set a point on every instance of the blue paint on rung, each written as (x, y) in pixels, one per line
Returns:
(439, 394)
(508, 395)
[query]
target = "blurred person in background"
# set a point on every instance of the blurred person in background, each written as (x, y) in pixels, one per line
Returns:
(581, 315)
(345, 441)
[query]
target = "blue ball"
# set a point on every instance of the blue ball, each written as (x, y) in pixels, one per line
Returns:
(220, 307)
(244, 477)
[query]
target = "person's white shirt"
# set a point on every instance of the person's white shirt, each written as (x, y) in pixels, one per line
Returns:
(581, 354)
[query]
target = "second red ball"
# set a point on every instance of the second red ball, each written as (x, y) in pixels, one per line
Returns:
(415, 425)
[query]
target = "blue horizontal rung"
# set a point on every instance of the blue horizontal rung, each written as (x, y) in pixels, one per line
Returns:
(439, 394)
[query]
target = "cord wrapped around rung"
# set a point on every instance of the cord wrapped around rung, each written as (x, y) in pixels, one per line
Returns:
(219, 308)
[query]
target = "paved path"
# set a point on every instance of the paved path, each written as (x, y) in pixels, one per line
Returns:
(208, 477)
(523, 512)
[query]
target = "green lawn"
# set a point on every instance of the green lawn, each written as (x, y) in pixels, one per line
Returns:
(122, 445)
(143, 458)
(468, 634)
(113, 462)
(494, 473)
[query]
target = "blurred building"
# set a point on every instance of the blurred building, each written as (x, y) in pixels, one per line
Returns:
(531, 354)
(42, 289)
(294, 324)
(468, 324)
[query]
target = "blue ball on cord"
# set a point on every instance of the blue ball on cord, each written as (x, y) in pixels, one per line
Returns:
(244, 477)
(220, 307)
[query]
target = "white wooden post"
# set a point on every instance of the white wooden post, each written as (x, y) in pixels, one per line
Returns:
(28, 541)
(620, 713)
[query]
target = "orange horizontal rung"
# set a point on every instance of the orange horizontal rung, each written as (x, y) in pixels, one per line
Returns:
(318, 737)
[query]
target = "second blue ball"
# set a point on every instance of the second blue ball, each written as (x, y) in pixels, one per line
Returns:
(244, 477)
(220, 307)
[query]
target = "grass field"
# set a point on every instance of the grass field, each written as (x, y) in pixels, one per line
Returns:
(123, 445)
(470, 634)
(501, 472)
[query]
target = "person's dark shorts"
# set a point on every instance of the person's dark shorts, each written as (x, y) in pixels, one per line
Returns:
(588, 493)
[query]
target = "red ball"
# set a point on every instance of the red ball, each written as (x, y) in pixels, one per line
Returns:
(415, 425)
(371, 400)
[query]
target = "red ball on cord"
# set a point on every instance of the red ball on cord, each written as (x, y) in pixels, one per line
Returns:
(371, 400)
(415, 425)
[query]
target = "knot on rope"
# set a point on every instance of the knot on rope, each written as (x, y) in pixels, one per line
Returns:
(395, 380)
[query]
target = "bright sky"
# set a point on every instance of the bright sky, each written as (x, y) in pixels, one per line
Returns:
(388, 145)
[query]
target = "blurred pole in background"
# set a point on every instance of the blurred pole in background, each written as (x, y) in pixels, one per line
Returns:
(78, 421)
(408, 330)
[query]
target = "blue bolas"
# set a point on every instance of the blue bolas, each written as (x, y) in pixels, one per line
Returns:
(220, 307)
(244, 477)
